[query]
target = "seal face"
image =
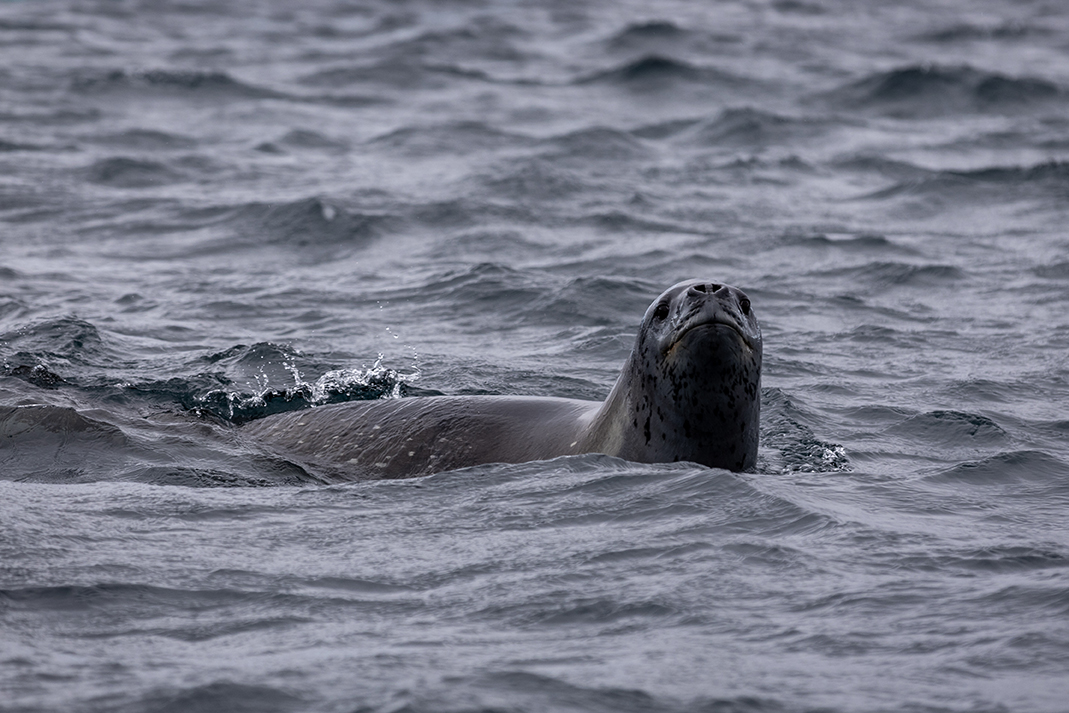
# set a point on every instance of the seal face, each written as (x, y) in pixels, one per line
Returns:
(695, 377)
(690, 391)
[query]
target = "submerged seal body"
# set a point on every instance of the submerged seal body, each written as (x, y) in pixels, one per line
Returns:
(690, 391)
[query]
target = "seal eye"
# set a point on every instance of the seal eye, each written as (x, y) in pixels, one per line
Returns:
(745, 304)
(661, 312)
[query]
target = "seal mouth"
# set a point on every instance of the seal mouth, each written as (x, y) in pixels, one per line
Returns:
(713, 323)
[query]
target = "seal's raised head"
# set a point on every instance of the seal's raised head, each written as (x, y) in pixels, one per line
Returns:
(691, 389)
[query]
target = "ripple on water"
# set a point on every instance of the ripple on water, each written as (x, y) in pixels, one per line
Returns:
(221, 695)
(207, 85)
(1023, 467)
(950, 432)
(932, 90)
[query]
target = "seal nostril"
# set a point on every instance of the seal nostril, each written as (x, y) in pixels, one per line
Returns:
(706, 289)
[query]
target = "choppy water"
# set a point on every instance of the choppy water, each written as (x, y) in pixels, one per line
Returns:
(213, 211)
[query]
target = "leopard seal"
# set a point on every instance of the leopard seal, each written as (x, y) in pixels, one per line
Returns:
(689, 391)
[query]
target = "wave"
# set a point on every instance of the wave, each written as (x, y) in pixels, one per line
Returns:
(8, 273)
(512, 299)
(124, 172)
(879, 275)
(751, 127)
(863, 243)
(656, 72)
(181, 81)
(638, 222)
(745, 126)
(598, 143)
(1044, 180)
(61, 339)
(144, 604)
(928, 91)
(1009, 468)
(145, 140)
(1048, 172)
(318, 227)
(533, 180)
(481, 39)
(698, 505)
(39, 375)
(404, 72)
(219, 695)
(460, 213)
(461, 137)
(313, 140)
(591, 302)
(310, 221)
(520, 691)
(644, 34)
(13, 146)
(785, 431)
(64, 352)
(901, 171)
(1053, 271)
(55, 116)
(35, 25)
(945, 436)
(475, 287)
(658, 36)
(387, 72)
(586, 611)
(950, 429)
(55, 444)
(969, 32)
(62, 445)
(64, 421)
(664, 129)
(991, 559)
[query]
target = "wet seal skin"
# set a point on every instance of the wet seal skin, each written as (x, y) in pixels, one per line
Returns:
(689, 391)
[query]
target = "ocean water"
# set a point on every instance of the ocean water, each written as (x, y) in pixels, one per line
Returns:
(213, 211)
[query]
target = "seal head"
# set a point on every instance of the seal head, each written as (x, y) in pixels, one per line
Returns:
(691, 388)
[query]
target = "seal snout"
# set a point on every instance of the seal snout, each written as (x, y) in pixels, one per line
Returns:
(712, 304)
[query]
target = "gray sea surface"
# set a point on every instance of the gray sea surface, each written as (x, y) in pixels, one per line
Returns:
(214, 211)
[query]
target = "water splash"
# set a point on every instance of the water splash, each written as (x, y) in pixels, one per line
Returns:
(335, 386)
(790, 445)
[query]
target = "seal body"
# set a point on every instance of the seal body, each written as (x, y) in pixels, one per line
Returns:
(690, 391)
